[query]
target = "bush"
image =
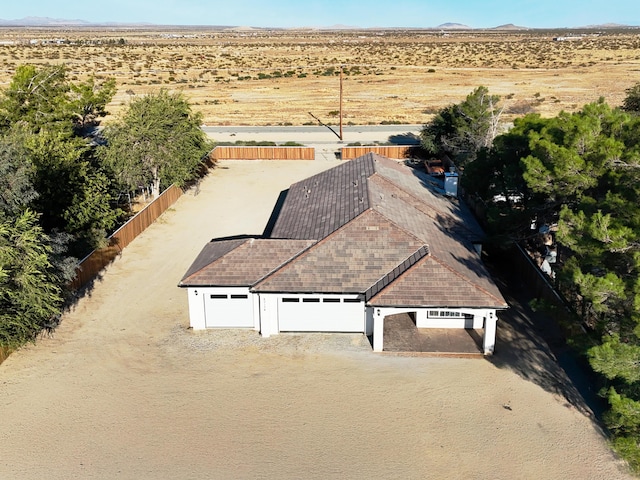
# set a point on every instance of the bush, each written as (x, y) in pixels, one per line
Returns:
(628, 448)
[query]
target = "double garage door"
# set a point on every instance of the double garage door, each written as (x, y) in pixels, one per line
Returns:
(320, 314)
(303, 313)
(229, 310)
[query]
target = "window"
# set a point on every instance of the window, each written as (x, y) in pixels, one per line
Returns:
(331, 300)
(351, 300)
(239, 296)
(290, 300)
(216, 296)
(448, 314)
(311, 300)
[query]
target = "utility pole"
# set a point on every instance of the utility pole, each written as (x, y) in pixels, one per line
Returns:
(340, 136)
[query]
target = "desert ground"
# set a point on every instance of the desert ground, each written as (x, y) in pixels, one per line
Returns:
(124, 389)
(246, 76)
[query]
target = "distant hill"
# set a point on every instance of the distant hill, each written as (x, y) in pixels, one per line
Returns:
(509, 26)
(41, 22)
(453, 26)
(59, 22)
(609, 25)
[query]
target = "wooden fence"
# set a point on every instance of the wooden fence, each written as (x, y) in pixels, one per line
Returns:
(263, 153)
(91, 265)
(390, 151)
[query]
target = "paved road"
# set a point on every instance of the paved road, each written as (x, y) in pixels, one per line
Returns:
(400, 134)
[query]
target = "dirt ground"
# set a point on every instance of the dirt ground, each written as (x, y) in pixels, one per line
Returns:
(124, 389)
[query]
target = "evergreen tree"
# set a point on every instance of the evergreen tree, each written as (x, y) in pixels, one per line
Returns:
(158, 141)
(462, 130)
(631, 103)
(30, 295)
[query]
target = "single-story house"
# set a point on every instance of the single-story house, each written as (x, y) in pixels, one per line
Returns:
(348, 247)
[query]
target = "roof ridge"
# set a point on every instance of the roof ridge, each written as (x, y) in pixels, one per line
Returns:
(195, 272)
(397, 271)
(317, 242)
(291, 259)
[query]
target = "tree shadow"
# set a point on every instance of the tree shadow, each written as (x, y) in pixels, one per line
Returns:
(531, 344)
(408, 138)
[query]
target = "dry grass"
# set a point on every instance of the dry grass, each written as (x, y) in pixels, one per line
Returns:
(277, 77)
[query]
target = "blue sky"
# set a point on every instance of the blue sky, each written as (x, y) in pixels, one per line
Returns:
(360, 13)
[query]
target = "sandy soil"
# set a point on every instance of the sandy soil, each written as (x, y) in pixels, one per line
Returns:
(125, 390)
(278, 77)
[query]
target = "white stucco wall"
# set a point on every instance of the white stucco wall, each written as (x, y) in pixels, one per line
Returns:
(196, 308)
(489, 338)
(268, 320)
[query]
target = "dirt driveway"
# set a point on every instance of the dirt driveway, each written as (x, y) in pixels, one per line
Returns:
(125, 390)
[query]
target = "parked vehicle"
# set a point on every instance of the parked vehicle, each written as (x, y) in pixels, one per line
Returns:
(434, 167)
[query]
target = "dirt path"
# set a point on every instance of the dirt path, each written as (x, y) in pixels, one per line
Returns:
(124, 390)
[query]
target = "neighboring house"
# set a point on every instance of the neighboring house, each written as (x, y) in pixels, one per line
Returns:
(350, 246)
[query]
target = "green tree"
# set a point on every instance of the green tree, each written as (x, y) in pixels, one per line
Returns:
(462, 130)
(631, 102)
(44, 98)
(158, 141)
(36, 97)
(496, 179)
(16, 173)
(88, 101)
(54, 194)
(74, 191)
(30, 296)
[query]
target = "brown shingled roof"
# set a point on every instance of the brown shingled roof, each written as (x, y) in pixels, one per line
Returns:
(321, 204)
(350, 260)
(370, 226)
(240, 262)
(429, 283)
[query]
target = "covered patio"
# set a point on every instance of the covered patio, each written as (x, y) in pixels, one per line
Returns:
(402, 337)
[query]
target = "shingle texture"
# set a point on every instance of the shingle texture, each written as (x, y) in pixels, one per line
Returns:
(349, 260)
(321, 204)
(429, 283)
(370, 226)
(240, 262)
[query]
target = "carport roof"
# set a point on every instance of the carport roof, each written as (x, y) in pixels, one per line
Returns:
(431, 283)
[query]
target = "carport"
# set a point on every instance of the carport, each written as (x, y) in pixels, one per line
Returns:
(402, 336)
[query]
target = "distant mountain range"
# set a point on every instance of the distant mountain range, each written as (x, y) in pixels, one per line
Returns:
(59, 22)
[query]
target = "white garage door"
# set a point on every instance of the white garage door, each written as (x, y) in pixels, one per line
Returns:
(228, 310)
(320, 314)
